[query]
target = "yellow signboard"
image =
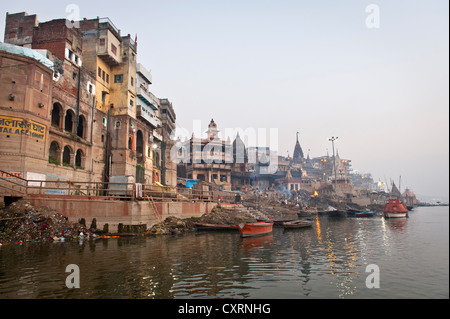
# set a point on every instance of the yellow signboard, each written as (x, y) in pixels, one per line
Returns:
(18, 126)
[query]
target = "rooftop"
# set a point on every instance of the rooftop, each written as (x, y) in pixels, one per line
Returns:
(26, 52)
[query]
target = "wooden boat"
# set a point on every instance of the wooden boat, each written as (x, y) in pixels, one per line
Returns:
(367, 213)
(394, 208)
(255, 229)
(297, 224)
(204, 226)
(276, 222)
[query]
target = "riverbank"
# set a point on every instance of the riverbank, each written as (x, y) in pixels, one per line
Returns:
(22, 222)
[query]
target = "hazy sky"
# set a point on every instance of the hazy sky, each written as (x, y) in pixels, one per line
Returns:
(308, 66)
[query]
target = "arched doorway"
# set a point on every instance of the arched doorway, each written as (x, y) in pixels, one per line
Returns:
(67, 156)
(54, 155)
(140, 166)
(81, 129)
(68, 121)
(57, 112)
(79, 159)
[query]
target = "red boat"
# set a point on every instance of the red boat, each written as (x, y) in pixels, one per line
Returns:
(255, 229)
(394, 208)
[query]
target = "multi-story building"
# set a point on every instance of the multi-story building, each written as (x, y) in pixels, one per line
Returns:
(215, 161)
(169, 167)
(25, 105)
(101, 123)
(149, 111)
(70, 112)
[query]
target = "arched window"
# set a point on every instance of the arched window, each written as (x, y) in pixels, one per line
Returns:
(67, 156)
(57, 112)
(68, 121)
(81, 129)
(79, 159)
(55, 153)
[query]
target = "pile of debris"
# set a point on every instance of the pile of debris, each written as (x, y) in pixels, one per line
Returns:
(175, 225)
(226, 217)
(21, 222)
(172, 225)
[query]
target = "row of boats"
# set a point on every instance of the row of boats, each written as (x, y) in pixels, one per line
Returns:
(394, 208)
(262, 227)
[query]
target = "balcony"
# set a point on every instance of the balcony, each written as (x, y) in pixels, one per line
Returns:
(146, 98)
(144, 73)
(145, 113)
(157, 136)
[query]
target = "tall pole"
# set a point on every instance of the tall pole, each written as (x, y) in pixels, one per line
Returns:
(332, 139)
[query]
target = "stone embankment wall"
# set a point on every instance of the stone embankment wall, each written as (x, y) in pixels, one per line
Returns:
(113, 212)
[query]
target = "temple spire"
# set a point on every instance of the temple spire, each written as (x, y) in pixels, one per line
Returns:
(298, 152)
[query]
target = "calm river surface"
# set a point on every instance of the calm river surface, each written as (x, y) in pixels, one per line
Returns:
(328, 260)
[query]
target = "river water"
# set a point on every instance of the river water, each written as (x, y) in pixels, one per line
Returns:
(333, 259)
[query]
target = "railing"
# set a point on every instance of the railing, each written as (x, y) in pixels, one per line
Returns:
(107, 191)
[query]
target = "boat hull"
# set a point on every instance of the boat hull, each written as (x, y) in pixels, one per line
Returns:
(297, 224)
(365, 214)
(394, 208)
(255, 229)
(395, 215)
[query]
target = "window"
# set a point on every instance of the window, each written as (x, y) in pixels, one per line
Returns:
(113, 49)
(82, 124)
(56, 114)
(107, 78)
(99, 72)
(131, 103)
(54, 154)
(74, 75)
(90, 88)
(79, 159)
(70, 55)
(102, 42)
(104, 96)
(131, 81)
(68, 121)
(67, 156)
(118, 78)
(103, 75)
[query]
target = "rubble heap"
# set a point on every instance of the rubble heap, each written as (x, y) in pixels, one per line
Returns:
(226, 217)
(175, 225)
(21, 222)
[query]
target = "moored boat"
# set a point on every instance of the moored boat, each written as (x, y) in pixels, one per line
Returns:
(395, 208)
(366, 213)
(204, 226)
(276, 222)
(297, 224)
(255, 229)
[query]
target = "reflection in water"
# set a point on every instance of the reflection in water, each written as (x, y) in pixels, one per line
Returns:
(327, 260)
